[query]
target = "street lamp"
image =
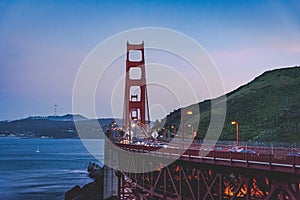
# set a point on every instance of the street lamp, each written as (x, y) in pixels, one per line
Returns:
(237, 131)
(188, 112)
(174, 130)
(193, 133)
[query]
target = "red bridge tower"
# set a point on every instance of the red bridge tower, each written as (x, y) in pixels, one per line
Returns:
(136, 100)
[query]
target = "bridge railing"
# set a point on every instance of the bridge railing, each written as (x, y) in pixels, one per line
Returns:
(286, 145)
(264, 158)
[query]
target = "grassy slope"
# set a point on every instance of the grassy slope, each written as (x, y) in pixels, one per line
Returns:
(267, 109)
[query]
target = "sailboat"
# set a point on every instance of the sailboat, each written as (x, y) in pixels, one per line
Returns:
(37, 149)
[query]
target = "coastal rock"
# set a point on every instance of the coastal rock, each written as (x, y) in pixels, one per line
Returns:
(90, 191)
(95, 172)
(73, 193)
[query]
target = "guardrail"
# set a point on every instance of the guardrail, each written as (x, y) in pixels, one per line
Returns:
(265, 161)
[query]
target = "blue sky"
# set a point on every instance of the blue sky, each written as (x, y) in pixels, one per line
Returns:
(43, 43)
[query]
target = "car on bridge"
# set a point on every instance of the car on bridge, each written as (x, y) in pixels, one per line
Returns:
(247, 151)
(235, 149)
(159, 144)
(241, 150)
(297, 154)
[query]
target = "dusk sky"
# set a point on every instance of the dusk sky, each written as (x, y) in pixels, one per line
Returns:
(43, 43)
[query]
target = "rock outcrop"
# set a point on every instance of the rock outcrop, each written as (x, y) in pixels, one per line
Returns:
(90, 191)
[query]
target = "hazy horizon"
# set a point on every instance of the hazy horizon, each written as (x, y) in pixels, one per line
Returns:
(105, 117)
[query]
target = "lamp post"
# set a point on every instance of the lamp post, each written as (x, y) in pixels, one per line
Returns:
(111, 131)
(193, 134)
(174, 131)
(236, 131)
(189, 112)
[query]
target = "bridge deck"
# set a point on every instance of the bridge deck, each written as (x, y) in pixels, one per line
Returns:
(261, 161)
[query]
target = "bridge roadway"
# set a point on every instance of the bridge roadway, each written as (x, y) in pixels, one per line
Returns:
(262, 160)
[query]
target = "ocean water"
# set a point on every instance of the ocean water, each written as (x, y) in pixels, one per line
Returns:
(60, 165)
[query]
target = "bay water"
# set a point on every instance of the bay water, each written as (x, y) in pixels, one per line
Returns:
(37, 168)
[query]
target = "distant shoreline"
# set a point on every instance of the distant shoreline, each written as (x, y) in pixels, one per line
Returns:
(24, 138)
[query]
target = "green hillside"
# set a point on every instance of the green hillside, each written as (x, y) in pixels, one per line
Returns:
(267, 109)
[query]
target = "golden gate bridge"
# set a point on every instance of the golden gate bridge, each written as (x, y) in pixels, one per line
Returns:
(197, 172)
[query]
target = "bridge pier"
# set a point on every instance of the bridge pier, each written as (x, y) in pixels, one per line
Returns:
(110, 182)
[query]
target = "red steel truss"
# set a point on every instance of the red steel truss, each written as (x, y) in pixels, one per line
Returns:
(195, 178)
(185, 180)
